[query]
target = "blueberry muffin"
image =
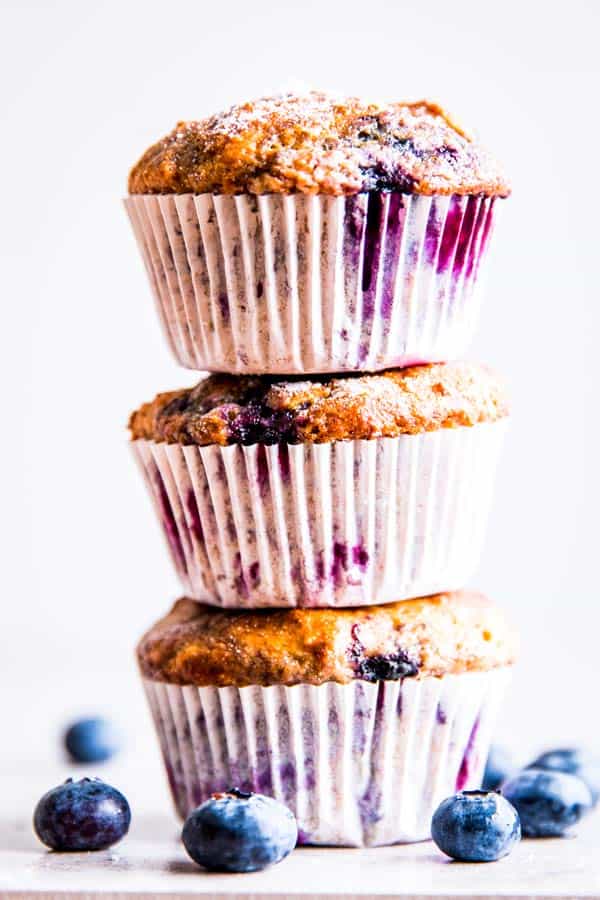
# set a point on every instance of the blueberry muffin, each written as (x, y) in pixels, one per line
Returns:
(360, 720)
(313, 233)
(337, 491)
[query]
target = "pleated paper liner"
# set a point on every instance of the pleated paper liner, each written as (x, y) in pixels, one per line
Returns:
(361, 764)
(340, 524)
(299, 284)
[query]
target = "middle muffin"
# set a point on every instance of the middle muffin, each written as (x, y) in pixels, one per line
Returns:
(345, 491)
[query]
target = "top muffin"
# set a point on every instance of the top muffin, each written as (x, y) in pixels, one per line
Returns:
(317, 143)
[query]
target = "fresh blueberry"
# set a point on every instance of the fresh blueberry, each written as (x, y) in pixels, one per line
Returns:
(239, 832)
(574, 762)
(92, 740)
(82, 815)
(475, 826)
(548, 802)
(498, 768)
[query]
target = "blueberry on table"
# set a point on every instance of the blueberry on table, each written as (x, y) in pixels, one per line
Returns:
(574, 761)
(239, 832)
(548, 802)
(475, 826)
(498, 768)
(92, 740)
(82, 815)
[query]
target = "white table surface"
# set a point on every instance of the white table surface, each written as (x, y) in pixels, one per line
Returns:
(150, 861)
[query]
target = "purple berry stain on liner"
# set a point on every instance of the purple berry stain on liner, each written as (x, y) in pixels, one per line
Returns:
(371, 263)
(172, 777)
(168, 519)
(223, 302)
(394, 228)
(333, 731)
(432, 234)
(375, 214)
(284, 462)
(380, 702)
(263, 779)
(264, 782)
(370, 803)
(464, 773)
(262, 470)
(354, 224)
(241, 584)
(308, 742)
(342, 557)
(362, 715)
(464, 238)
(197, 796)
(320, 568)
(399, 704)
(440, 715)
(360, 556)
(477, 227)
(339, 563)
(195, 523)
(450, 234)
(287, 774)
(169, 254)
(487, 228)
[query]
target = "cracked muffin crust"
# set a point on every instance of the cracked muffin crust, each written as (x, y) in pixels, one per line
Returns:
(430, 636)
(228, 409)
(318, 143)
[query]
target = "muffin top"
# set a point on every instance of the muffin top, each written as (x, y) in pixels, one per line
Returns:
(317, 143)
(249, 409)
(431, 636)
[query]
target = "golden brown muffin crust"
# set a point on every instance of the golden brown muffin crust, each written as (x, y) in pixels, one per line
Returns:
(238, 409)
(431, 636)
(317, 143)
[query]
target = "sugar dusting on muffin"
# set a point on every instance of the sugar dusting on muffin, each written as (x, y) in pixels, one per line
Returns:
(432, 636)
(228, 409)
(318, 143)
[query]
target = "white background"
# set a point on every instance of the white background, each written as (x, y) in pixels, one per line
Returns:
(84, 89)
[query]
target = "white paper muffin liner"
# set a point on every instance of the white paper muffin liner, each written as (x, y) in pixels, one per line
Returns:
(298, 284)
(361, 764)
(350, 523)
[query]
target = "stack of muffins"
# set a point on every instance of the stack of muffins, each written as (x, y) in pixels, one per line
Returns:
(323, 493)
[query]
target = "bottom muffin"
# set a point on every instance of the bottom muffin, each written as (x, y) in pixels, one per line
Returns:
(360, 720)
